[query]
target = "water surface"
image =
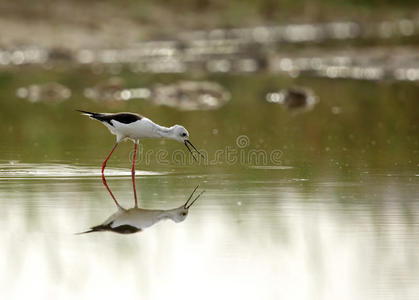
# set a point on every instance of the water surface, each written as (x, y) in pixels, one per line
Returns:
(320, 204)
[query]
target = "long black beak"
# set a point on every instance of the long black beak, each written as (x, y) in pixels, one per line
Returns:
(186, 206)
(188, 142)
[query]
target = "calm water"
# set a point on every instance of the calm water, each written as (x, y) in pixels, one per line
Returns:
(316, 205)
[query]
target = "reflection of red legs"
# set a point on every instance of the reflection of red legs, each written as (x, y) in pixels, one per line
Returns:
(133, 172)
(103, 176)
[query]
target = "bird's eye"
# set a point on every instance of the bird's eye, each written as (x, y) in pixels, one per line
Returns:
(184, 214)
(183, 134)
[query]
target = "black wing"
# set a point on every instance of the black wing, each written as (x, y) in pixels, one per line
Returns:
(122, 229)
(125, 118)
(125, 229)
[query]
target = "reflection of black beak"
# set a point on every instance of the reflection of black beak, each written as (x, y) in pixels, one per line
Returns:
(188, 142)
(186, 206)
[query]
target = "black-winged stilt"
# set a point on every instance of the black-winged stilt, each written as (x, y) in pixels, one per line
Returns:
(136, 219)
(135, 127)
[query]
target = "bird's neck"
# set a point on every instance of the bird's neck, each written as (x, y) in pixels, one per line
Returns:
(161, 131)
(166, 214)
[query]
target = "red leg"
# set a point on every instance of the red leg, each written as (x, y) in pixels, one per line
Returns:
(133, 173)
(103, 176)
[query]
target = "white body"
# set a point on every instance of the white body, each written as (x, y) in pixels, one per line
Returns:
(144, 128)
(143, 218)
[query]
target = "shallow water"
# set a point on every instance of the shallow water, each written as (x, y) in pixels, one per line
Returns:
(320, 204)
(249, 237)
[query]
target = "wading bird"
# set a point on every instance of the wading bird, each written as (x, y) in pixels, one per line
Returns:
(136, 219)
(135, 127)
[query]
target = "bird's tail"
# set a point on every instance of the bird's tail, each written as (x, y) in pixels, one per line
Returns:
(94, 229)
(88, 113)
(84, 232)
(92, 115)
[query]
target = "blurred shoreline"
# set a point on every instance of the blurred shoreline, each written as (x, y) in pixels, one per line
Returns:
(117, 24)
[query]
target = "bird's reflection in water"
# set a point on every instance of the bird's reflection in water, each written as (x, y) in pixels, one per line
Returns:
(136, 219)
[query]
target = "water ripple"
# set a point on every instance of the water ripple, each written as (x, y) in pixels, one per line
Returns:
(60, 171)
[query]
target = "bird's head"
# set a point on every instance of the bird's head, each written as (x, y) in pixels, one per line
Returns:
(181, 213)
(180, 134)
